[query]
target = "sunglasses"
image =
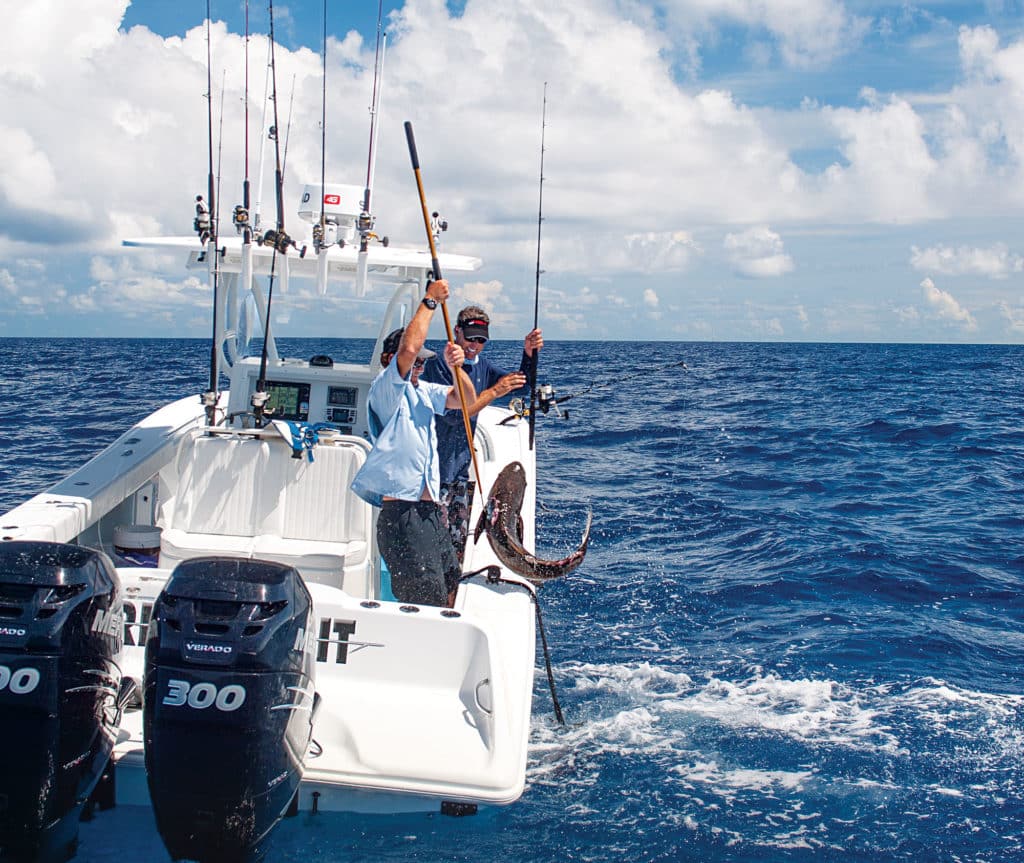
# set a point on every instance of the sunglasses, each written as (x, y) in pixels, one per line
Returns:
(477, 340)
(418, 363)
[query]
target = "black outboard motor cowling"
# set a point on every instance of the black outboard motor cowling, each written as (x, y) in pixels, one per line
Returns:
(229, 704)
(61, 634)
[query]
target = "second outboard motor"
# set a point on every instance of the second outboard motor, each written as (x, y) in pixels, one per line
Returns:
(61, 691)
(229, 702)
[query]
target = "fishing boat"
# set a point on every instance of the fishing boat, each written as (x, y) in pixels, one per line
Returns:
(198, 620)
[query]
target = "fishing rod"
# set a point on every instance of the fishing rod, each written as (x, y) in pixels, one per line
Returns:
(436, 266)
(278, 239)
(535, 357)
(247, 233)
(288, 128)
(211, 396)
(366, 219)
(321, 242)
(220, 142)
(241, 214)
(258, 207)
(320, 236)
(242, 219)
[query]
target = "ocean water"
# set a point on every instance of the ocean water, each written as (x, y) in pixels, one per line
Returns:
(799, 631)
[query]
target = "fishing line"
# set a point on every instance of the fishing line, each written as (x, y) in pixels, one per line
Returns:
(547, 399)
(493, 575)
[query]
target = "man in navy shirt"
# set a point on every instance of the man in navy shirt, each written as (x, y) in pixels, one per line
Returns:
(401, 474)
(472, 330)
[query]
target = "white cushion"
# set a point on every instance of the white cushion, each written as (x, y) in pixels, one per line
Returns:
(218, 488)
(246, 497)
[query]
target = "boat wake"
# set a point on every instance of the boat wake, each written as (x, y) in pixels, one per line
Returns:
(777, 762)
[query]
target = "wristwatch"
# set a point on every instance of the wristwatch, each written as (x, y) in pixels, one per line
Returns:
(430, 303)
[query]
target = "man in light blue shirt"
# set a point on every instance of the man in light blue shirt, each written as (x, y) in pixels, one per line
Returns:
(401, 473)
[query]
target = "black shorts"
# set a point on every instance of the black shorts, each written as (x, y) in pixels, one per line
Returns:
(456, 505)
(418, 550)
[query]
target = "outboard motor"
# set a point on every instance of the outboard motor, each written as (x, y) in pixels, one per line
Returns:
(61, 691)
(229, 704)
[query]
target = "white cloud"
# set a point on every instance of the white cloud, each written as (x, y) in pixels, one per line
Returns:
(604, 252)
(105, 137)
(121, 287)
(492, 297)
(84, 303)
(75, 34)
(1014, 317)
(890, 165)
(651, 298)
(995, 262)
(657, 252)
(979, 47)
(806, 31)
(945, 306)
(757, 253)
(567, 312)
(7, 283)
(908, 314)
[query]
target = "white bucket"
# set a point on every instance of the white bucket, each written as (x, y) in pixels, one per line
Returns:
(137, 544)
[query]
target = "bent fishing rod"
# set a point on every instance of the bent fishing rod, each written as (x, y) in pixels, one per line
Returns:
(436, 266)
(535, 357)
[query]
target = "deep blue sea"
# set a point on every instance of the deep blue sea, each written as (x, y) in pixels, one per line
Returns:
(799, 631)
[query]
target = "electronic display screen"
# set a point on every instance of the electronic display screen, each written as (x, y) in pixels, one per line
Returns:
(288, 401)
(342, 396)
(341, 415)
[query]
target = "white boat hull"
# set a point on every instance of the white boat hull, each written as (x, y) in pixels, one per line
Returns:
(422, 709)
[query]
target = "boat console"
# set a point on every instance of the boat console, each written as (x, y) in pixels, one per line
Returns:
(304, 391)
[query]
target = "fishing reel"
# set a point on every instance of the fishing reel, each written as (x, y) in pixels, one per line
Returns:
(281, 242)
(364, 240)
(318, 238)
(240, 218)
(364, 224)
(546, 401)
(260, 412)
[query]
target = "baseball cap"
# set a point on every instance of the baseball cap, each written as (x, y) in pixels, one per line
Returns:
(474, 327)
(393, 339)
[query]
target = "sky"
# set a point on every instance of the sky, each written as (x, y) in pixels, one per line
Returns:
(714, 170)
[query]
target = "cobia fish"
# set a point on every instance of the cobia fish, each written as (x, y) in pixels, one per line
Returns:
(503, 524)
